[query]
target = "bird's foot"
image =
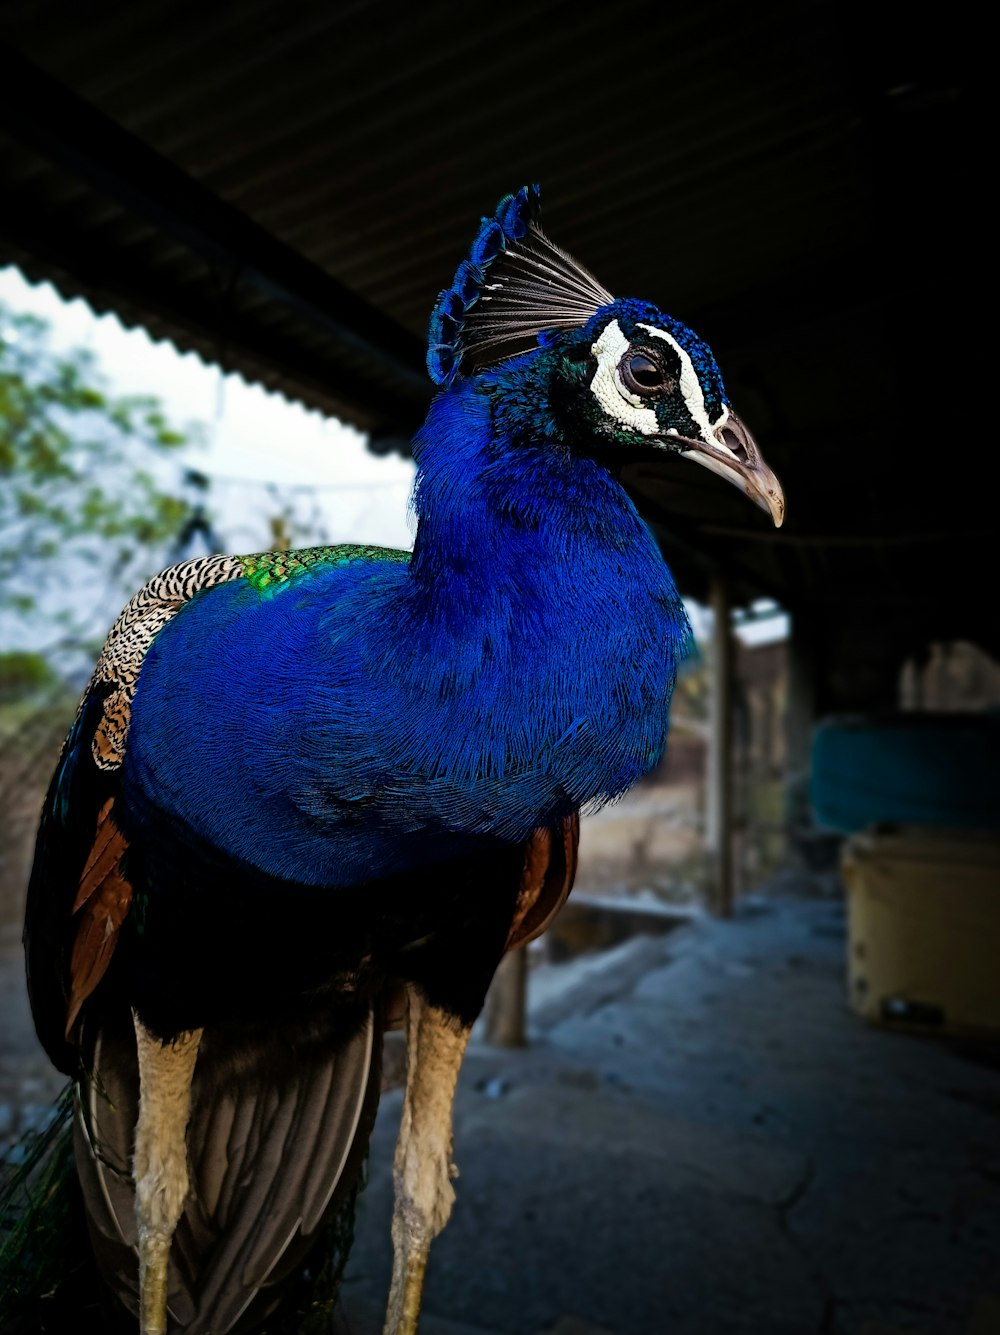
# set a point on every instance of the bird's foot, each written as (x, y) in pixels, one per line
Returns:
(154, 1253)
(403, 1312)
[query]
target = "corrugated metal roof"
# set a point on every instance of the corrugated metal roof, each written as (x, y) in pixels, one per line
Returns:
(791, 177)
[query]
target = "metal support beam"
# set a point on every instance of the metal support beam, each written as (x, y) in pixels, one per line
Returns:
(720, 748)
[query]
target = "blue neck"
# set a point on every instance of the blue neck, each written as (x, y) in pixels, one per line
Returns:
(497, 515)
(518, 668)
(537, 582)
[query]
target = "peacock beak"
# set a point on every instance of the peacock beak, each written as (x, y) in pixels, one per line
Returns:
(733, 453)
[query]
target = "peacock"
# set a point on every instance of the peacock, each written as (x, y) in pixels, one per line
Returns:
(307, 791)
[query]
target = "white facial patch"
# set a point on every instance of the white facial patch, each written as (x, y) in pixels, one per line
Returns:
(690, 386)
(614, 397)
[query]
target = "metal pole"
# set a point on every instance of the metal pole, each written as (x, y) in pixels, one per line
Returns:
(720, 795)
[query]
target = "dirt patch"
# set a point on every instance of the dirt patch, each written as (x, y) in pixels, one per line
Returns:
(649, 843)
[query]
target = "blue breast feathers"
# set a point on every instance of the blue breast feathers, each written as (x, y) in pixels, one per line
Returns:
(372, 718)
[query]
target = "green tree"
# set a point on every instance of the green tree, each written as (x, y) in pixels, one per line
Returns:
(89, 504)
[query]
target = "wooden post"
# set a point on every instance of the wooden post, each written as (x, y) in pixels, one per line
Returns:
(718, 834)
(800, 716)
(506, 1002)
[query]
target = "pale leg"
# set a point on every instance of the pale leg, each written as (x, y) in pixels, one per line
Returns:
(422, 1169)
(160, 1163)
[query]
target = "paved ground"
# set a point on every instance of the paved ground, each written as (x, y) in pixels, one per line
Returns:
(702, 1140)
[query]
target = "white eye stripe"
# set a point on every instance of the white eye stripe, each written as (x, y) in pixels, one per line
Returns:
(690, 386)
(614, 397)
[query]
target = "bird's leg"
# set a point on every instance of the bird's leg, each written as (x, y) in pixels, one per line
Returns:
(160, 1163)
(422, 1170)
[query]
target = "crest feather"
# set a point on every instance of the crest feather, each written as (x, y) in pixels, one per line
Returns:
(515, 285)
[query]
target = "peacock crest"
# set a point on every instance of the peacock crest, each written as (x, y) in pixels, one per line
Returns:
(514, 285)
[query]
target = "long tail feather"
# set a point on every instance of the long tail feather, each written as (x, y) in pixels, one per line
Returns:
(48, 1278)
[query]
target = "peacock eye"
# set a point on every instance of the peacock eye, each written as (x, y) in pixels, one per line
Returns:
(643, 375)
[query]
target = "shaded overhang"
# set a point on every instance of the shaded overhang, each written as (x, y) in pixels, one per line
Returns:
(285, 188)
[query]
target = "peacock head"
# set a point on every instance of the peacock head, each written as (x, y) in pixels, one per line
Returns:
(616, 379)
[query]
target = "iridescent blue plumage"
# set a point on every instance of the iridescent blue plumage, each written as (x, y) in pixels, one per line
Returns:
(509, 223)
(300, 782)
(517, 669)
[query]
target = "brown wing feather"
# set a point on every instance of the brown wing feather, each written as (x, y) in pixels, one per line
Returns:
(550, 858)
(102, 901)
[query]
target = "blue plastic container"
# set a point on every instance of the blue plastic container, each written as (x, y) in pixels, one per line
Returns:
(913, 769)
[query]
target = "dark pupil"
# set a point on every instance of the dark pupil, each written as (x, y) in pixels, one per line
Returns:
(645, 372)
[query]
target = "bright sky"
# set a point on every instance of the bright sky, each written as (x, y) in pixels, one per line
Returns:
(253, 436)
(257, 439)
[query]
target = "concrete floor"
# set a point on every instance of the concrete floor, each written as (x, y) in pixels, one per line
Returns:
(703, 1140)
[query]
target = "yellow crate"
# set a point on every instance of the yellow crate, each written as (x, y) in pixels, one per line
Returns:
(924, 927)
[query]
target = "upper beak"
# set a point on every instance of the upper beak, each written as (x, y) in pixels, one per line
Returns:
(733, 454)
